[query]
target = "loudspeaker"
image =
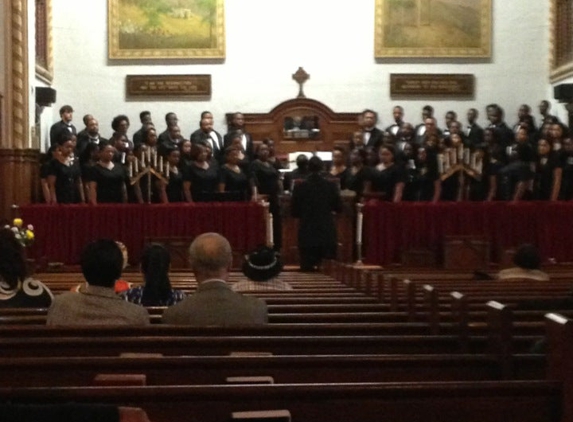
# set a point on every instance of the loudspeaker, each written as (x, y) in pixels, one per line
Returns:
(563, 92)
(45, 96)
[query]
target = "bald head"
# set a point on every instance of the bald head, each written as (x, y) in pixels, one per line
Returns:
(210, 256)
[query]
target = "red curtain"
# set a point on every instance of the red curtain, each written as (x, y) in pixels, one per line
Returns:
(390, 229)
(62, 231)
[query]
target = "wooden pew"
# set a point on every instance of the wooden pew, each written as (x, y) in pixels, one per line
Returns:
(195, 370)
(524, 401)
(277, 345)
(313, 329)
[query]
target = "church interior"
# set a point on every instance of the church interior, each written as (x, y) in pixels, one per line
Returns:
(412, 319)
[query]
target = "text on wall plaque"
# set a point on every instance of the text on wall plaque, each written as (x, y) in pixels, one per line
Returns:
(168, 85)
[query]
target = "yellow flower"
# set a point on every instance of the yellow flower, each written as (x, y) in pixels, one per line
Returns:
(18, 222)
(29, 234)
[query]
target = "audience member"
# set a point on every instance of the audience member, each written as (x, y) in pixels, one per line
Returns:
(214, 302)
(527, 265)
(17, 289)
(120, 285)
(262, 267)
(96, 303)
(157, 291)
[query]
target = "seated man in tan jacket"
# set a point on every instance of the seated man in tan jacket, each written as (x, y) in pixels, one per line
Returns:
(96, 303)
(214, 303)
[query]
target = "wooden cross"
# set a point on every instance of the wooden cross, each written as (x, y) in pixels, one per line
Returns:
(300, 76)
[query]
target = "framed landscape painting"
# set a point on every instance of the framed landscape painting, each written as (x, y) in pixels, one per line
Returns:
(432, 28)
(166, 29)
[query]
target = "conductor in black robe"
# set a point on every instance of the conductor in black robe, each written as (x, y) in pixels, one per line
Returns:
(314, 202)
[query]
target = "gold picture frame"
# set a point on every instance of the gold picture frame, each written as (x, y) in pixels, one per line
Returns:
(561, 46)
(166, 29)
(432, 28)
(44, 51)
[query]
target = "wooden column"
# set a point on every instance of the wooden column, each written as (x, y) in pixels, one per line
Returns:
(18, 162)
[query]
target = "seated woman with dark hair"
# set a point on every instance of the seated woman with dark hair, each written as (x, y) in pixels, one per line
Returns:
(528, 262)
(157, 290)
(17, 290)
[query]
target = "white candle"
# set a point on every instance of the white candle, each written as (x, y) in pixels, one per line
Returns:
(270, 229)
(255, 193)
(474, 158)
(136, 165)
(161, 164)
(148, 156)
(131, 169)
(440, 163)
(466, 156)
(155, 158)
(359, 222)
(167, 169)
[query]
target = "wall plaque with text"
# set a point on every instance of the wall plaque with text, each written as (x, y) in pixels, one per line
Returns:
(168, 85)
(432, 85)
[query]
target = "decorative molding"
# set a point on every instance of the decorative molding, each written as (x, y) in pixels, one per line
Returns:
(46, 74)
(17, 103)
(564, 71)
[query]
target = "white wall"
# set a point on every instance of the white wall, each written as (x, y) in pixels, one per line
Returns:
(268, 40)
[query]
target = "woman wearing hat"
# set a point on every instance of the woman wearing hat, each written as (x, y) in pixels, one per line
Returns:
(261, 267)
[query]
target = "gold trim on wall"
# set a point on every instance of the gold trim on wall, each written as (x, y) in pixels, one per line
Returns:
(397, 40)
(47, 73)
(17, 78)
(136, 32)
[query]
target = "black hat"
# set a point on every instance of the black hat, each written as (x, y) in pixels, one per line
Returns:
(262, 264)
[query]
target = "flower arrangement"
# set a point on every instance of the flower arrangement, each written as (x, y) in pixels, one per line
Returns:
(24, 235)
